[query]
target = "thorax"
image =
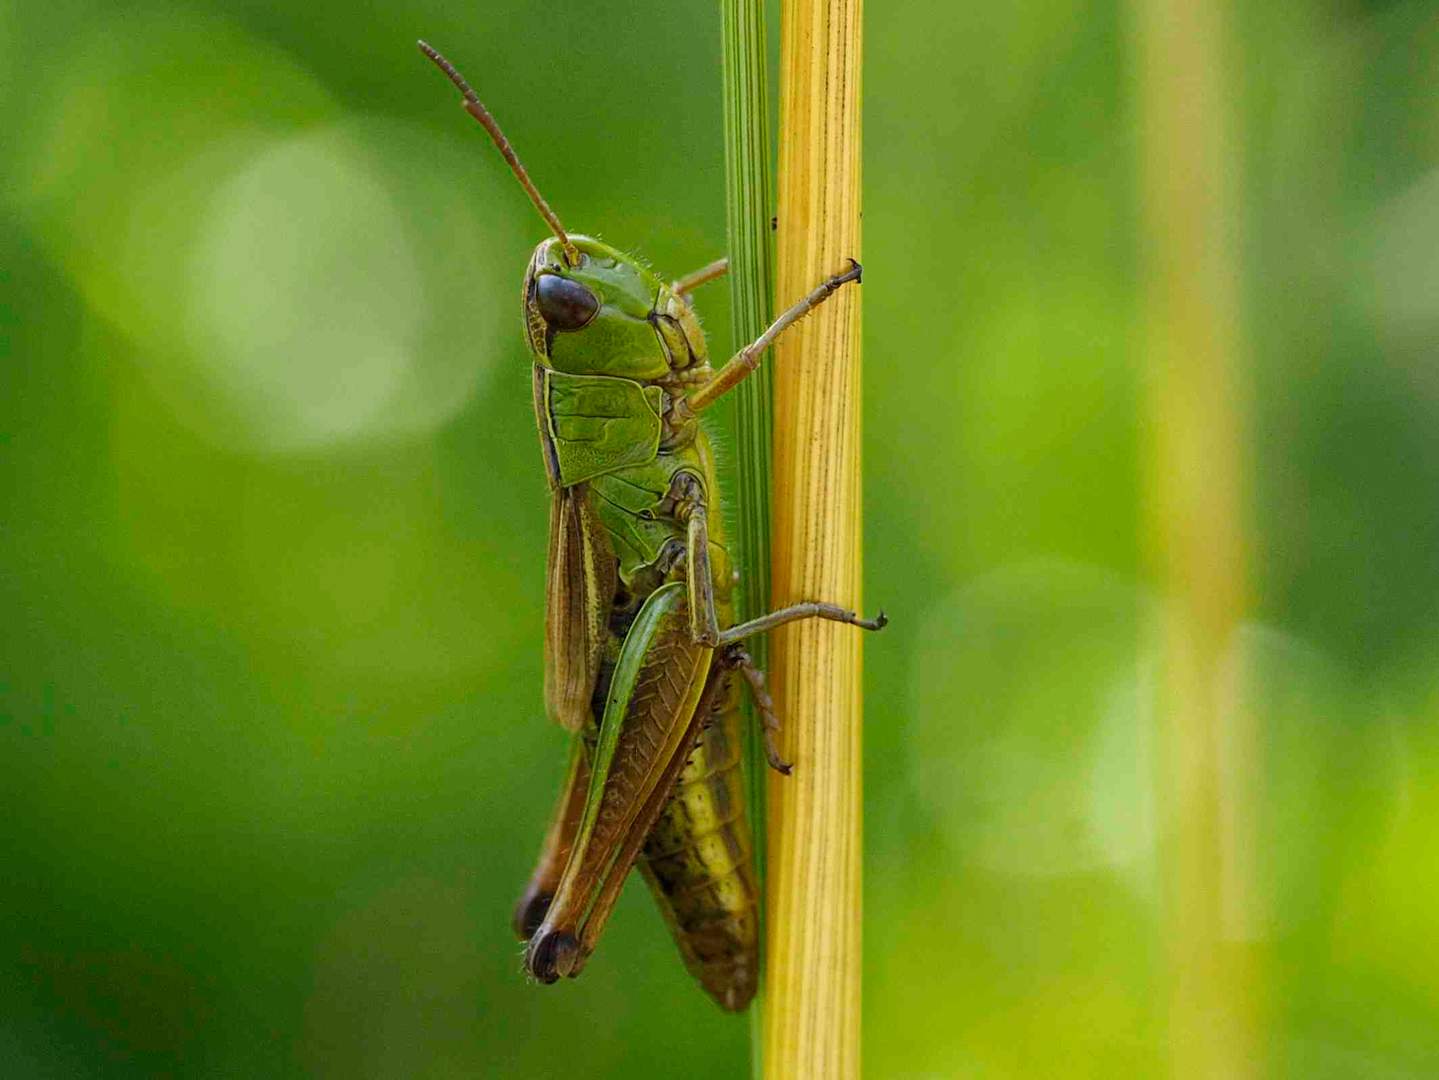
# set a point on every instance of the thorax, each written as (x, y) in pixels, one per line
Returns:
(619, 438)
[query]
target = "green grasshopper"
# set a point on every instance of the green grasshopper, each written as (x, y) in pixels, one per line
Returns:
(640, 651)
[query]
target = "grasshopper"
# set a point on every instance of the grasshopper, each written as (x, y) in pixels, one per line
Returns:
(642, 660)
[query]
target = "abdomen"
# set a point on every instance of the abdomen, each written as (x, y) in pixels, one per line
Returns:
(699, 858)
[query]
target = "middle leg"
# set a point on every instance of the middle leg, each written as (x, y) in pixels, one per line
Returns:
(689, 502)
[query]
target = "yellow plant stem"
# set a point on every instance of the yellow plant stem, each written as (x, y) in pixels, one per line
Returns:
(812, 1004)
(1195, 461)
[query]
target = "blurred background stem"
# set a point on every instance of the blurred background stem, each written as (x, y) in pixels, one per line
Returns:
(812, 1007)
(748, 202)
(1195, 467)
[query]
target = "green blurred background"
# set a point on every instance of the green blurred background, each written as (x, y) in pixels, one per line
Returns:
(273, 763)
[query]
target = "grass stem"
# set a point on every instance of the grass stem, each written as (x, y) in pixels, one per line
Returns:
(748, 200)
(812, 1003)
(1196, 460)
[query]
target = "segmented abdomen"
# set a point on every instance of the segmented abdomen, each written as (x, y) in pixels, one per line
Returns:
(699, 858)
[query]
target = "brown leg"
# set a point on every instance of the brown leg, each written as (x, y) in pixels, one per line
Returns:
(687, 495)
(693, 280)
(737, 656)
(810, 609)
(744, 362)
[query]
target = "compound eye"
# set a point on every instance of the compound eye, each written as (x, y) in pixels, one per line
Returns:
(565, 304)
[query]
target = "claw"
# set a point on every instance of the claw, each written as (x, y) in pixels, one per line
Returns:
(879, 622)
(777, 763)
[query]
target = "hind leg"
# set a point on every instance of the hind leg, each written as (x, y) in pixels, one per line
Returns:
(738, 657)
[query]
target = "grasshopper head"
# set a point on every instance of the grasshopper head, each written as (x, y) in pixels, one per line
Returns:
(589, 309)
(605, 313)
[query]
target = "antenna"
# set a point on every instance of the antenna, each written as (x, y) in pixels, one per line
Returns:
(476, 108)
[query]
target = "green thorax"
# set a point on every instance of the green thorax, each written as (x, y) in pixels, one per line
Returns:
(604, 432)
(598, 423)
